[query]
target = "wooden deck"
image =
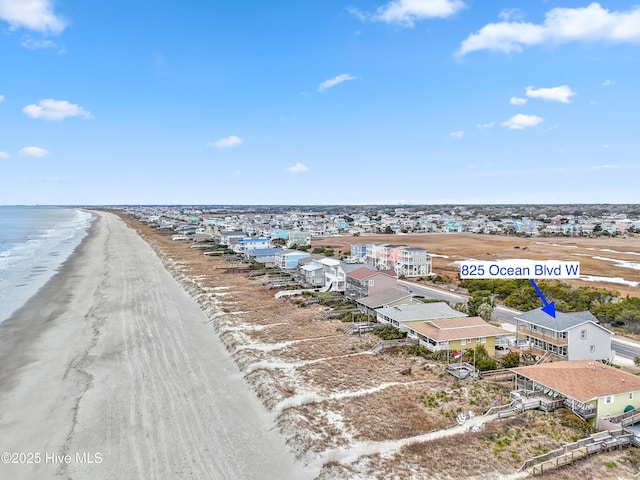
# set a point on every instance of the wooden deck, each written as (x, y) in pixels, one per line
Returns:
(599, 442)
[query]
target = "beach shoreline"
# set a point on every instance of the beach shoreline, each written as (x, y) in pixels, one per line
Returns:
(114, 365)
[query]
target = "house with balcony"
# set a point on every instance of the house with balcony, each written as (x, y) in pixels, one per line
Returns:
(231, 237)
(568, 336)
(413, 262)
(358, 251)
(288, 259)
(404, 260)
(457, 334)
(401, 315)
(248, 244)
(318, 270)
(263, 256)
(591, 389)
(336, 276)
(363, 282)
(387, 298)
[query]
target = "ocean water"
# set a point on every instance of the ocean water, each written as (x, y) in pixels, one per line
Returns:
(34, 243)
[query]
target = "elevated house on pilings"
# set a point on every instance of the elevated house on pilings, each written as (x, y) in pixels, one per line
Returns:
(591, 389)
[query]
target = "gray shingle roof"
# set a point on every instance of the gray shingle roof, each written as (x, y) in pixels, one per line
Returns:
(350, 267)
(384, 298)
(563, 321)
(424, 311)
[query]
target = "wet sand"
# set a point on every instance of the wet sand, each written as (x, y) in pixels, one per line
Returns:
(112, 371)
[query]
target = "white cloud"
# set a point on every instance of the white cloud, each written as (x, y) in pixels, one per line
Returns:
(227, 142)
(608, 83)
(297, 168)
(457, 134)
(4, 155)
(50, 109)
(37, 15)
(561, 25)
(1, 98)
(407, 12)
(485, 125)
(509, 14)
(517, 101)
(521, 121)
(36, 44)
(562, 93)
(332, 82)
(33, 152)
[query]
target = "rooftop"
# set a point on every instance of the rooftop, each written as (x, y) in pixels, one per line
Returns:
(582, 380)
(385, 297)
(423, 311)
(363, 272)
(456, 328)
(563, 321)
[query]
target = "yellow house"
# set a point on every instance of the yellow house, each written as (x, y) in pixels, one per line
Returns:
(456, 334)
(592, 390)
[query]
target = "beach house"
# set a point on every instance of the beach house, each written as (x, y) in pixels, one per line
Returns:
(387, 298)
(363, 282)
(400, 315)
(568, 336)
(591, 389)
(288, 259)
(456, 334)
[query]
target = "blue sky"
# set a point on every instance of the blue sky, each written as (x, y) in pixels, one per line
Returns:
(319, 102)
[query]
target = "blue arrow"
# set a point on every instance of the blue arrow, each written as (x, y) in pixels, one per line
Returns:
(549, 308)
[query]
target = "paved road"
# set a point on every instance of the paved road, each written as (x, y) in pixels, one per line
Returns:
(624, 348)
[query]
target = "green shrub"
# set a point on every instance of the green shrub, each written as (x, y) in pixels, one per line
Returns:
(388, 332)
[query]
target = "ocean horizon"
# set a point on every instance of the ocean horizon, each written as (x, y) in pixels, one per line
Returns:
(34, 242)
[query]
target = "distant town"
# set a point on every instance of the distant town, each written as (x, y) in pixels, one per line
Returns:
(300, 223)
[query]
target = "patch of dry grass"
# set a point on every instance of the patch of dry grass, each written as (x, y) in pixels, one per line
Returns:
(300, 328)
(357, 373)
(333, 346)
(270, 387)
(499, 449)
(314, 428)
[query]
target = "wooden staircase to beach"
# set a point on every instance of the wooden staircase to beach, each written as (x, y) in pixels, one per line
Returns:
(596, 443)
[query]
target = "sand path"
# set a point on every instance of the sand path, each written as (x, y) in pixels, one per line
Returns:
(113, 362)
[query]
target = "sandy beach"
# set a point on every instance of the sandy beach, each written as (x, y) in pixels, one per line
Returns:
(112, 371)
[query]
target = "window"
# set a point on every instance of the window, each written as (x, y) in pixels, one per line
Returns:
(371, 283)
(630, 395)
(608, 399)
(583, 334)
(592, 349)
(463, 341)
